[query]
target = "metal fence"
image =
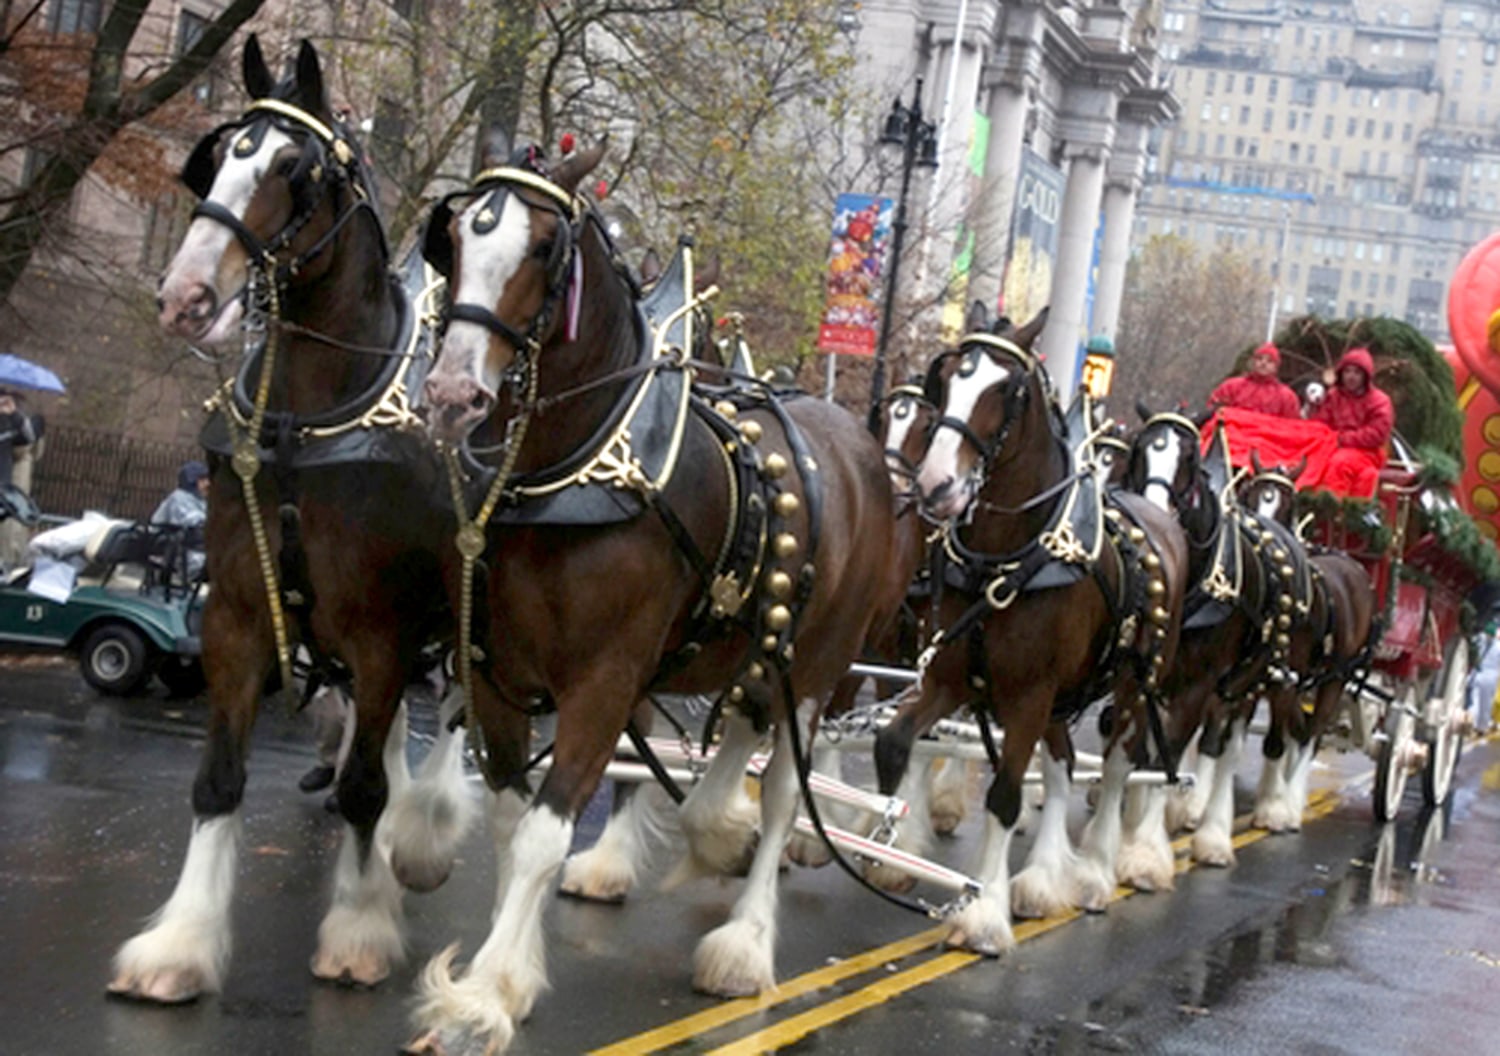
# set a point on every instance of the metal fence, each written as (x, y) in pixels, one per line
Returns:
(82, 469)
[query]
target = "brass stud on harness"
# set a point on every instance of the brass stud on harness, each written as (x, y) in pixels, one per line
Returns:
(789, 653)
(786, 504)
(779, 584)
(784, 545)
(1286, 571)
(1283, 621)
(756, 670)
(778, 617)
(1285, 601)
(1159, 615)
(727, 409)
(1137, 536)
(1156, 588)
(736, 694)
(768, 643)
(1151, 562)
(751, 431)
(1282, 641)
(775, 466)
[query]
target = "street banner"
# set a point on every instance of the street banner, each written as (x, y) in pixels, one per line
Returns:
(856, 274)
(1035, 222)
(955, 308)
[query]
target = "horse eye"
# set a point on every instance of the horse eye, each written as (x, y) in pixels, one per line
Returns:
(543, 251)
(285, 167)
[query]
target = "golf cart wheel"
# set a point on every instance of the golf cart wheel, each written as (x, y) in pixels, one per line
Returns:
(182, 675)
(115, 659)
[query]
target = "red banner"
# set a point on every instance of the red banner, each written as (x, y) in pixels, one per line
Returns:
(856, 270)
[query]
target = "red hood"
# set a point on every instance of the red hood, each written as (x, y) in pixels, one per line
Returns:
(1361, 358)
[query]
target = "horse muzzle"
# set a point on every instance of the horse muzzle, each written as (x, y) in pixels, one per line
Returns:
(457, 405)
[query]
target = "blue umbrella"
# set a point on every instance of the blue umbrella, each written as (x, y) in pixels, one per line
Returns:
(24, 374)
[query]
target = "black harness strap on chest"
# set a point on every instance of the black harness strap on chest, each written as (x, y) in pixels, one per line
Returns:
(297, 593)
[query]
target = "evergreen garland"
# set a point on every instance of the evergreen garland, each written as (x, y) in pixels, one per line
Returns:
(1407, 368)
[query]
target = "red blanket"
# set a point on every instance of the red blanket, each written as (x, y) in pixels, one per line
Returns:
(1277, 441)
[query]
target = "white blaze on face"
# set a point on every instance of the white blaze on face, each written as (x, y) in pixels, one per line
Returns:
(1267, 501)
(899, 423)
(1164, 455)
(976, 375)
(203, 258)
(488, 262)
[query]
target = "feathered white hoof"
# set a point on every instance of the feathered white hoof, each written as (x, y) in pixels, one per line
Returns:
(425, 828)
(1037, 892)
(170, 964)
(723, 844)
(599, 874)
(734, 960)
(983, 926)
(810, 852)
(1184, 811)
(1211, 846)
(1093, 886)
(1146, 866)
(357, 947)
(1274, 816)
(468, 1016)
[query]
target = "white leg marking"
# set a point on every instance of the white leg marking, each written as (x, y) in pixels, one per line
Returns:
(429, 817)
(185, 947)
(1046, 886)
(1211, 842)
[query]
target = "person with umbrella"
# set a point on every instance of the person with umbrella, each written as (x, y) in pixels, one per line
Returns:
(15, 431)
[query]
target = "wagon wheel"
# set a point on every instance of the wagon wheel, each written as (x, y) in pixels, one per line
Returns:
(1393, 762)
(1445, 714)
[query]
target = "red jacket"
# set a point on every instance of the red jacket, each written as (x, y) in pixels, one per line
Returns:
(1255, 392)
(1360, 421)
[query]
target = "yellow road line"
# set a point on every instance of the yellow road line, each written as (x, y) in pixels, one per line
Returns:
(1320, 804)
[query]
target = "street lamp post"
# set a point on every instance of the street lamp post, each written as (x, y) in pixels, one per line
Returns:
(904, 128)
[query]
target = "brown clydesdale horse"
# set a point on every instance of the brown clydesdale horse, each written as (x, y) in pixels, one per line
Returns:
(1327, 645)
(635, 547)
(1047, 600)
(1234, 587)
(355, 516)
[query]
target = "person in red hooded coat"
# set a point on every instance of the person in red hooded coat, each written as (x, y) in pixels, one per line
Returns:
(1258, 389)
(1362, 416)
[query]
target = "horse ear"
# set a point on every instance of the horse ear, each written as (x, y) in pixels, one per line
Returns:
(258, 80)
(1255, 461)
(1297, 472)
(575, 167)
(1142, 410)
(309, 78)
(977, 319)
(650, 267)
(496, 149)
(1028, 333)
(437, 240)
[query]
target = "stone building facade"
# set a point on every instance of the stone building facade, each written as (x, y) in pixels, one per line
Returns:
(1075, 85)
(1351, 149)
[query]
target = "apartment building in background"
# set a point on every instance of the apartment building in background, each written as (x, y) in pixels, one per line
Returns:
(1352, 149)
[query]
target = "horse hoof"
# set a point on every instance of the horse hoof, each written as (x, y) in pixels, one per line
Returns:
(361, 971)
(944, 823)
(429, 1043)
(419, 878)
(172, 987)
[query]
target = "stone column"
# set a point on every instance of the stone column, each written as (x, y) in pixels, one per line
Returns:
(1012, 82)
(1122, 183)
(1064, 332)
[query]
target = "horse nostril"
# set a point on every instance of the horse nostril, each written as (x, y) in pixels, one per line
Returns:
(479, 401)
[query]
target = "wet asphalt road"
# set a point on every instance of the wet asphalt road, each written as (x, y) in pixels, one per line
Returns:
(1344, 939)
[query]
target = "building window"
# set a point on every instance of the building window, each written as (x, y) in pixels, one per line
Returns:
(1351, 128)
(1224, 114)
(1294, 153)
(1211, 82)
(1271, 89)
(1208, 112)
(1312, 153)
(1228, 83)
(1370, 129)
(1249, 84)
(75, 16)
(1266, 118)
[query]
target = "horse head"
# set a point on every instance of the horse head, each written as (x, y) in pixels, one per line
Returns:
(1270, 492)
(509, 246)
(1164, 459)
(904, 428)
(986, 392)
(276, 186)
